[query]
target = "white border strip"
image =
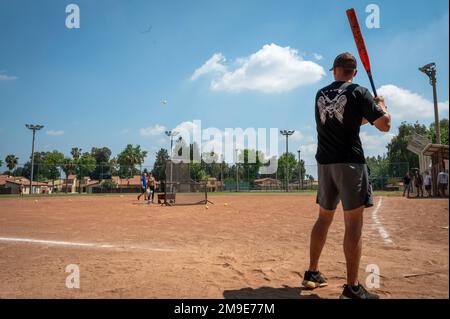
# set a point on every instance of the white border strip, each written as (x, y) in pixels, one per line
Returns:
(383, 233)
(75, 244)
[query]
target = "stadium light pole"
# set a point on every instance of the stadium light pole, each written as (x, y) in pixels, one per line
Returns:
(34, 128)
(171, 135)
(430, 71)
(287, 133)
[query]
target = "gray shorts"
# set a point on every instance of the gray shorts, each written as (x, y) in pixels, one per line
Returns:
(344, 182)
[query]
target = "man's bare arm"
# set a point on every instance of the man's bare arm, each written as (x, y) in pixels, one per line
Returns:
(383, 123)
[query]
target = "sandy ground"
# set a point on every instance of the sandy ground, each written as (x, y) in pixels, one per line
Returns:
(243, 246)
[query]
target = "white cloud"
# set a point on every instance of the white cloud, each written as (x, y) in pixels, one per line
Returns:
(152, 130)
(213, 65)
(273, 69)
(308, 150)
(405, 104)
(317, 56)
(297, 136)
(5, 77)
(55, 132)
(186, 130)
(375, 144)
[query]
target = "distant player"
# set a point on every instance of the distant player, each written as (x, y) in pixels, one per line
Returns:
(143, 186)
(406, 185)
(427, 183)
(418, 183)
(442, 183)
(151, 187)
(341, 108)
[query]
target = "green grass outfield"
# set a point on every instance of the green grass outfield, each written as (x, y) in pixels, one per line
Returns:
(243, 193)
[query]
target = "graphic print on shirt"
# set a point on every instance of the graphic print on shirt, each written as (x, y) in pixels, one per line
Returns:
(332, 108)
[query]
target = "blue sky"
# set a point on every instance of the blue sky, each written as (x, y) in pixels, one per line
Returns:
(102, 84)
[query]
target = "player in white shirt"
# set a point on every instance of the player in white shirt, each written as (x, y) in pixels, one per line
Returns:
(427, 183)
(442, 180)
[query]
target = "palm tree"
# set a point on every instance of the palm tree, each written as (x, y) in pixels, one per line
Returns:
(68, 168)
(131, 156)
(76, 153)
(11, 162)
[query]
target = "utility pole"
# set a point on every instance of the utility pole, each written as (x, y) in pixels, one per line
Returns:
(34, 128)
(430, 71)
(287, 133)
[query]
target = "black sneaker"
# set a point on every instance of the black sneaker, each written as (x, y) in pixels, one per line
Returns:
(360, 293)
(314, 279)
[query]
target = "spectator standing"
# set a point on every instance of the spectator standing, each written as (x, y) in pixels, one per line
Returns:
(442, 183)
(406, 185)
(427, 182)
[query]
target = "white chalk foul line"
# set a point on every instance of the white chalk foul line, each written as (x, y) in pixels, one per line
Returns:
(77, 244)
(383, 233)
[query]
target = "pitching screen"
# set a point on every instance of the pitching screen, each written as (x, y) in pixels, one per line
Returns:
(180, 187)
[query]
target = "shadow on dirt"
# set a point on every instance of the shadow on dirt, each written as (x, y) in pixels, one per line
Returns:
(269, 293)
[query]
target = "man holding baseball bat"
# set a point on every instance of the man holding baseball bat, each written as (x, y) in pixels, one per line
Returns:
(341, 108)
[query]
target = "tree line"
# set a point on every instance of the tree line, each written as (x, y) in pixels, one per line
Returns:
(96, 164)
(99, 165)
(398, 159)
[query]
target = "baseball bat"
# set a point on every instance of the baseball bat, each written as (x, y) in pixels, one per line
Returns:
(360, 45)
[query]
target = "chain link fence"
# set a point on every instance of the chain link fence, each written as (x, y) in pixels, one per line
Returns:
(218, 177)
(388, 176)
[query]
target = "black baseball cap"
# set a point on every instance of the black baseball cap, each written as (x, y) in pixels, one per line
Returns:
(345, 60)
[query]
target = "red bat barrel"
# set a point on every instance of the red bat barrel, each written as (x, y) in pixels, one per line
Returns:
(360, 44)
(359, 40)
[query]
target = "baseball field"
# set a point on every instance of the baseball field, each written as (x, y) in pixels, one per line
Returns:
(242, 246)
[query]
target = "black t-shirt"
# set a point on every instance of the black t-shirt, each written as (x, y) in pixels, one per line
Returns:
(406, 180)
(340, 108)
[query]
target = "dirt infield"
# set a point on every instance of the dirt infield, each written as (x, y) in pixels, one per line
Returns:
(247, 246)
